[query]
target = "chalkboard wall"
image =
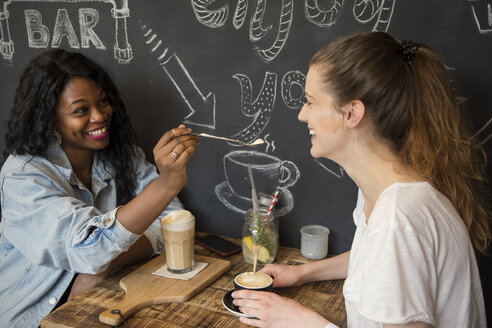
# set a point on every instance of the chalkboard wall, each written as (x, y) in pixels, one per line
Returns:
(237, 69)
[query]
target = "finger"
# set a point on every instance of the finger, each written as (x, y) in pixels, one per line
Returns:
(164, 140)
(267, 269)
(179, 146)
(171, 134)
(179, 149)
(246, 303)
(249, 294)
(185, 156)
(174, 155)
(181, 130)
(251, 322)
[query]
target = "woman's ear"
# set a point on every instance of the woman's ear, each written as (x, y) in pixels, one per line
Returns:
(354, 113)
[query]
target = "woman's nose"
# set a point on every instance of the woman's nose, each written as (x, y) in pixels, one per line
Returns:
(302, 114)
(97, 115)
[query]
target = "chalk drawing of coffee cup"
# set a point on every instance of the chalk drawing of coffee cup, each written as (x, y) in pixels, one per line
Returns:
(269, 174)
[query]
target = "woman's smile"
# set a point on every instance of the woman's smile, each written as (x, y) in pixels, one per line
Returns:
(99, 133)
(312, 133)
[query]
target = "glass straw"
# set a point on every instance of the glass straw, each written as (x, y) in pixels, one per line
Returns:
(256, 212)
(253, 191)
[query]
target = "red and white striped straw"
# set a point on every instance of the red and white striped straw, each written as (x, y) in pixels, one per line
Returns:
(274, 200)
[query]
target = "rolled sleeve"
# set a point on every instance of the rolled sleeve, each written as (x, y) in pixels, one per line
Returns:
(51, 227)
(107, 226)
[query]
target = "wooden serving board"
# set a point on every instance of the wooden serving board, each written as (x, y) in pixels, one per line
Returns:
(144, 288)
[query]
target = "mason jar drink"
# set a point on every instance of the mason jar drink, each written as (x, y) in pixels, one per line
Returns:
(260, 229)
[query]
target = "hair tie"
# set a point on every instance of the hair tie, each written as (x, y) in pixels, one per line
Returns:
(409, 50)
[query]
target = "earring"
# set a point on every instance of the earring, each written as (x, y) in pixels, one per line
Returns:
(57, 141)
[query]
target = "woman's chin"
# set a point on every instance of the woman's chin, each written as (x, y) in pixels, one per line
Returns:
(314, 153)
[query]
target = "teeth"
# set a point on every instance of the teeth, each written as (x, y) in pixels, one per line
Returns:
(311, 132)
(97, 132)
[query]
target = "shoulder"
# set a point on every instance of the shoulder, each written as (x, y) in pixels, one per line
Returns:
(28, 165)
(418, 208)
(418, 198)
(23, 163)
(412, 204)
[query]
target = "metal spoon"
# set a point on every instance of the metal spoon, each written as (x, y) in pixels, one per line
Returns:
(255, 143)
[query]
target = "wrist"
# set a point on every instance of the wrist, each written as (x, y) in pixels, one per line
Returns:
(302, 274)
(165, 187)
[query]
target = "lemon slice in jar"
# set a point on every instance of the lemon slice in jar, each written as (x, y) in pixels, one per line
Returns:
(247, 240)
(263, 254)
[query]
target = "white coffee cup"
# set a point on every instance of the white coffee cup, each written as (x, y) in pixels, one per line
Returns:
(178, 233)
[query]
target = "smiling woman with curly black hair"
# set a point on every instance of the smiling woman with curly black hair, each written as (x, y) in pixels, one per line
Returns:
(78, 197)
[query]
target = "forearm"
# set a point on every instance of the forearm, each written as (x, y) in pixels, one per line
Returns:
(328, 269)
(140, 250)
(140, 212)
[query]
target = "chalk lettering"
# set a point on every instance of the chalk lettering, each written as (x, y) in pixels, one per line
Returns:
(88, 19)
(63, 27)
(38, 35)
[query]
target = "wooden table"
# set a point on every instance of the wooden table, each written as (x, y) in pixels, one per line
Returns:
(203, 310)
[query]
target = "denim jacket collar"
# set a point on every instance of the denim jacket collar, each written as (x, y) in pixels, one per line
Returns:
(101, 172)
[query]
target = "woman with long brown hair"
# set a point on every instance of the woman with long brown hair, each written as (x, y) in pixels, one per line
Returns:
(385, 110)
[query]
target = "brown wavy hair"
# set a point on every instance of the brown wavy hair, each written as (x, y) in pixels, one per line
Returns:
(414, 107)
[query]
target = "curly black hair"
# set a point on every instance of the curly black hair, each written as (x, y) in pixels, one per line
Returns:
(30, 126)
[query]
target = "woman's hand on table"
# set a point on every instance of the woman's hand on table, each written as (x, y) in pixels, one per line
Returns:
(171, 154)
(283, 275)
(273, 310)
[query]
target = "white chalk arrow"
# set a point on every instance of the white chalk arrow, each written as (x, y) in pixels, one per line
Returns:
(202, 107)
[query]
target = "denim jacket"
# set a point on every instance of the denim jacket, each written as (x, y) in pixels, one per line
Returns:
(53, 227)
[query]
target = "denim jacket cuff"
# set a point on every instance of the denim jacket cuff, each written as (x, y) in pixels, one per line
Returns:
(153, 234)
(117, 231)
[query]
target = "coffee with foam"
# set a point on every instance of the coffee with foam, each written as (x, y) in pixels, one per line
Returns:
(178, 233)
(252, 280)
(179, 220)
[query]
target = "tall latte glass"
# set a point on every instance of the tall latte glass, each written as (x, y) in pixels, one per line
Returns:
(178, 232)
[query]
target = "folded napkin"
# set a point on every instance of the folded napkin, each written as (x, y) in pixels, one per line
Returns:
(162, 271)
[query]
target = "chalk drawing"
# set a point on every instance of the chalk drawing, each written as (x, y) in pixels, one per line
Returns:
(285, 22)
(331, 167)
(260, 109)
(211, 18)
(366, 10)
(293, 79)
(65, 28)
(240, 14)
(322, 18)
(38, 35)
(88, 19)
(269, 173)
(482, 13)
(217, 18)
(269, 144)
(202, 108)
(256, 31)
